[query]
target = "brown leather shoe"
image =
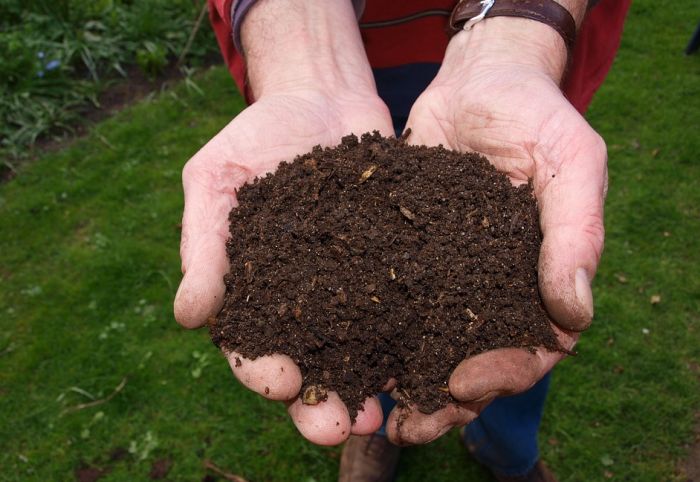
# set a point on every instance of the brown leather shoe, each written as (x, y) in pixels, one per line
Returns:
(368, 458)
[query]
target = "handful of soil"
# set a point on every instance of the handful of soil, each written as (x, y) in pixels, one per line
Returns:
(376, 259)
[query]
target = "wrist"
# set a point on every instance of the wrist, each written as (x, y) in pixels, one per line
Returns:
(508, 42)
(508, 39)
(293, 45)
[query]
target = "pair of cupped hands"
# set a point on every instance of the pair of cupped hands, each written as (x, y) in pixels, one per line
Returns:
(510, 111)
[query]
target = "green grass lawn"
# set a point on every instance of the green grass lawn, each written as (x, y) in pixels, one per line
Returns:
(89, 266)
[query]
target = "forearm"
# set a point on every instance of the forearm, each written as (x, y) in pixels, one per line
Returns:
(513, 41)
(295, 44)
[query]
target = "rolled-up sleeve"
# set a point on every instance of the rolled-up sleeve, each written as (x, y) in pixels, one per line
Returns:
(220, 16)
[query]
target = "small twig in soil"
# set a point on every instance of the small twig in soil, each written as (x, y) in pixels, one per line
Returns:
(470, 214)
(407, 213)
(209, 465)
(325, 180)
(513, 221)
(248, 269)
(474, 325)
(368, 173)
(320, 335)
(320, 187)
(476, 321)
(405, 134)
(82, 406)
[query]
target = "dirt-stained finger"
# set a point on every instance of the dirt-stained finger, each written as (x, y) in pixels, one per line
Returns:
(571, 218)
(408, 426)
(369, 418)
(497, 372)
(201, 291)
(275, 377)
(507, 371)
(325, 423)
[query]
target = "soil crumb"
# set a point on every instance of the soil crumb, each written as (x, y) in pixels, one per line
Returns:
(376, 259)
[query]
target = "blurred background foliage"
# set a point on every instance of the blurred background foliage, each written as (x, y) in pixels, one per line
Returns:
(57, 56)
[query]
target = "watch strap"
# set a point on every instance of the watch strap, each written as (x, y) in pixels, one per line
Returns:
(548, 12)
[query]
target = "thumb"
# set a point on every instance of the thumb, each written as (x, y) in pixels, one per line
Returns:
(210, 189)
(571, 200)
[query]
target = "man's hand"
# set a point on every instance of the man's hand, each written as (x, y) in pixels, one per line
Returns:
(313, 85)
(497, 94)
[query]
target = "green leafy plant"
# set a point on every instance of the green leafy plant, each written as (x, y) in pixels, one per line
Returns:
(152, 58)
(56, 57)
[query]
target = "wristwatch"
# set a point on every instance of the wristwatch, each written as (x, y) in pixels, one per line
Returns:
(469, 12)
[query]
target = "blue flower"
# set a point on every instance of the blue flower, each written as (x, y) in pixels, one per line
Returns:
(40, 54)
(53, 65)
(40, 74)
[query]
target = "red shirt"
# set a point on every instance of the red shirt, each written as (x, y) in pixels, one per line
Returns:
(422, 37)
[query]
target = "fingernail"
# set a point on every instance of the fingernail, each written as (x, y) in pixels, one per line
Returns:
(179, 290)
(583, 291)
(178, 306)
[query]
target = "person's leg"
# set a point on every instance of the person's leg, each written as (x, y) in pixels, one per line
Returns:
(504, 436)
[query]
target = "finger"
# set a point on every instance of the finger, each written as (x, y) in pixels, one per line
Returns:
(389, 386)
(209, 196)
(275, 377)
(498, 372)
(201, 291)
(408, 426)
(571, 197)
(326, 423)
(505, 371)
(369, 418)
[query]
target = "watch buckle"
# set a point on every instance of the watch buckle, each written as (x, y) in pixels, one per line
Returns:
(485, 7)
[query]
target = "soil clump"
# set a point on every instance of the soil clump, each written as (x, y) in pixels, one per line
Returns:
(377, 259)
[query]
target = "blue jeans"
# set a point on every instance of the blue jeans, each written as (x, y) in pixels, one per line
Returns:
(504, 436)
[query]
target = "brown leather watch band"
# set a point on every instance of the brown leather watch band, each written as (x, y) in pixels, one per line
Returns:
(548, 12)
